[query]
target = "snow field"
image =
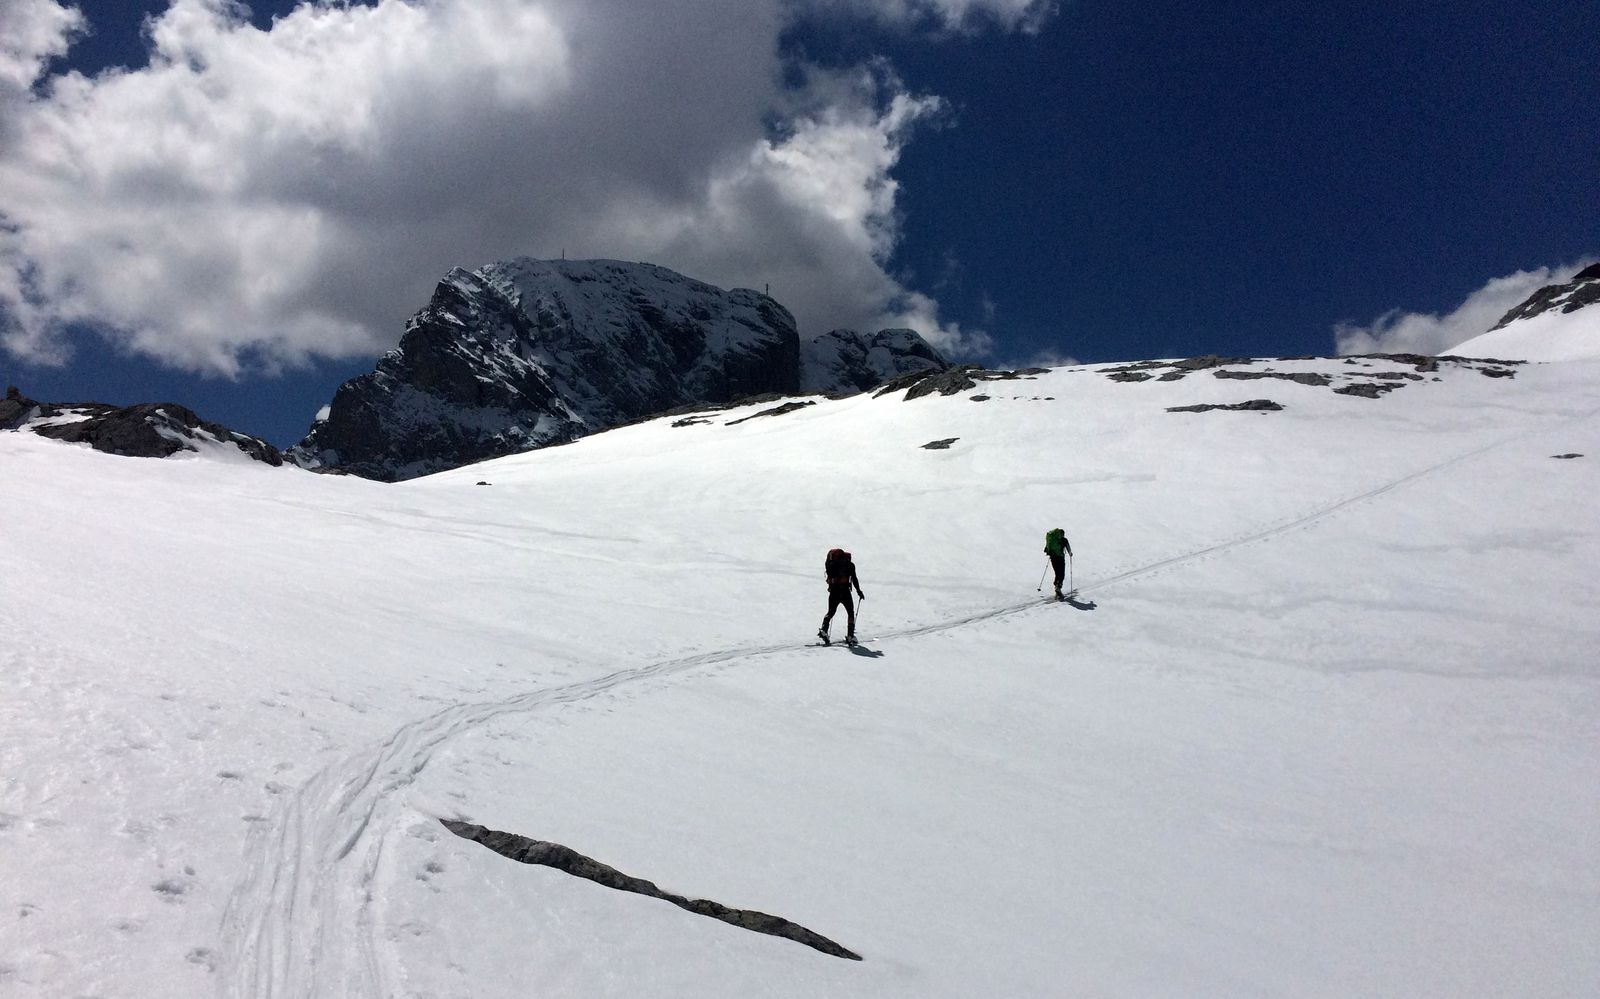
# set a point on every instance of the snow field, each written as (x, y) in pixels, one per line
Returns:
(1552, 335)
(1329, 728)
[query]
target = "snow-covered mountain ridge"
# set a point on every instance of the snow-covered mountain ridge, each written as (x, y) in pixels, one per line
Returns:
(146, 430)
(524, 353)
(1321, 721)
(1583, 290)
(1559, 322)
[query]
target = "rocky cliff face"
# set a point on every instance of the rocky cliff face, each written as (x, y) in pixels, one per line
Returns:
(1582, 290)
(526, 353)
(148, 430)
(845, 361)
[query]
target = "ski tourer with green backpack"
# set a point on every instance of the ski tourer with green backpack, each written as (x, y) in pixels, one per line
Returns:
(1058, 549)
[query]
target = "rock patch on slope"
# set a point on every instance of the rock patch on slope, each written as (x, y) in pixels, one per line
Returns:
(1253, 405)
(786, 408)
(1366, 376)
(562, 858)
(951, 381)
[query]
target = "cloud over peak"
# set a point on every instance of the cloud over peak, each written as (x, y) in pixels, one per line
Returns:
(257, 197)
(1400, 332)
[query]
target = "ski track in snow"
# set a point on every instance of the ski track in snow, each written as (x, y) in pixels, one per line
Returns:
(312, 873)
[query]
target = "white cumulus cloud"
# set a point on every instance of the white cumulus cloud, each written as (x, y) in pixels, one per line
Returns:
(32, 32)
(1400, 332)
(254, 197)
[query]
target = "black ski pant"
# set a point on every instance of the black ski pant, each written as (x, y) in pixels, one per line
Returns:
(837, 596)
(1059, 562)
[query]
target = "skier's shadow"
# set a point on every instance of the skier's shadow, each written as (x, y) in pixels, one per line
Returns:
(1080, 603)
(862, 650)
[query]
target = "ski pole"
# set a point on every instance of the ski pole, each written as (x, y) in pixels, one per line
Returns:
(1040, 587)
(1072, 587)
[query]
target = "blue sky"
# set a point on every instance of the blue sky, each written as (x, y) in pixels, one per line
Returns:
(1098, 181)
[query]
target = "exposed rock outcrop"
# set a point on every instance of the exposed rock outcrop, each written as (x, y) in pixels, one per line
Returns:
(1365, 376)
(1582, 290)
(15, 409)
(1302, 377)
(951, 381)
(147, 430)
(1253, 405)
(786, 408)
(563, 858)
(843, 361)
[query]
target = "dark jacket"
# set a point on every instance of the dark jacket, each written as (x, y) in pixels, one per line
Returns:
(841, 573)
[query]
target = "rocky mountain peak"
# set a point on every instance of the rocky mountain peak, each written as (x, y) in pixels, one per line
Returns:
(524, 353)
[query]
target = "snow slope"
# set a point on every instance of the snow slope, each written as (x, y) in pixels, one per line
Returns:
(1323, 722)
(1559, 322)
(1549, 336)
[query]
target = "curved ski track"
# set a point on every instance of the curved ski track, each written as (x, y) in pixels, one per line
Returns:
(310, 880)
